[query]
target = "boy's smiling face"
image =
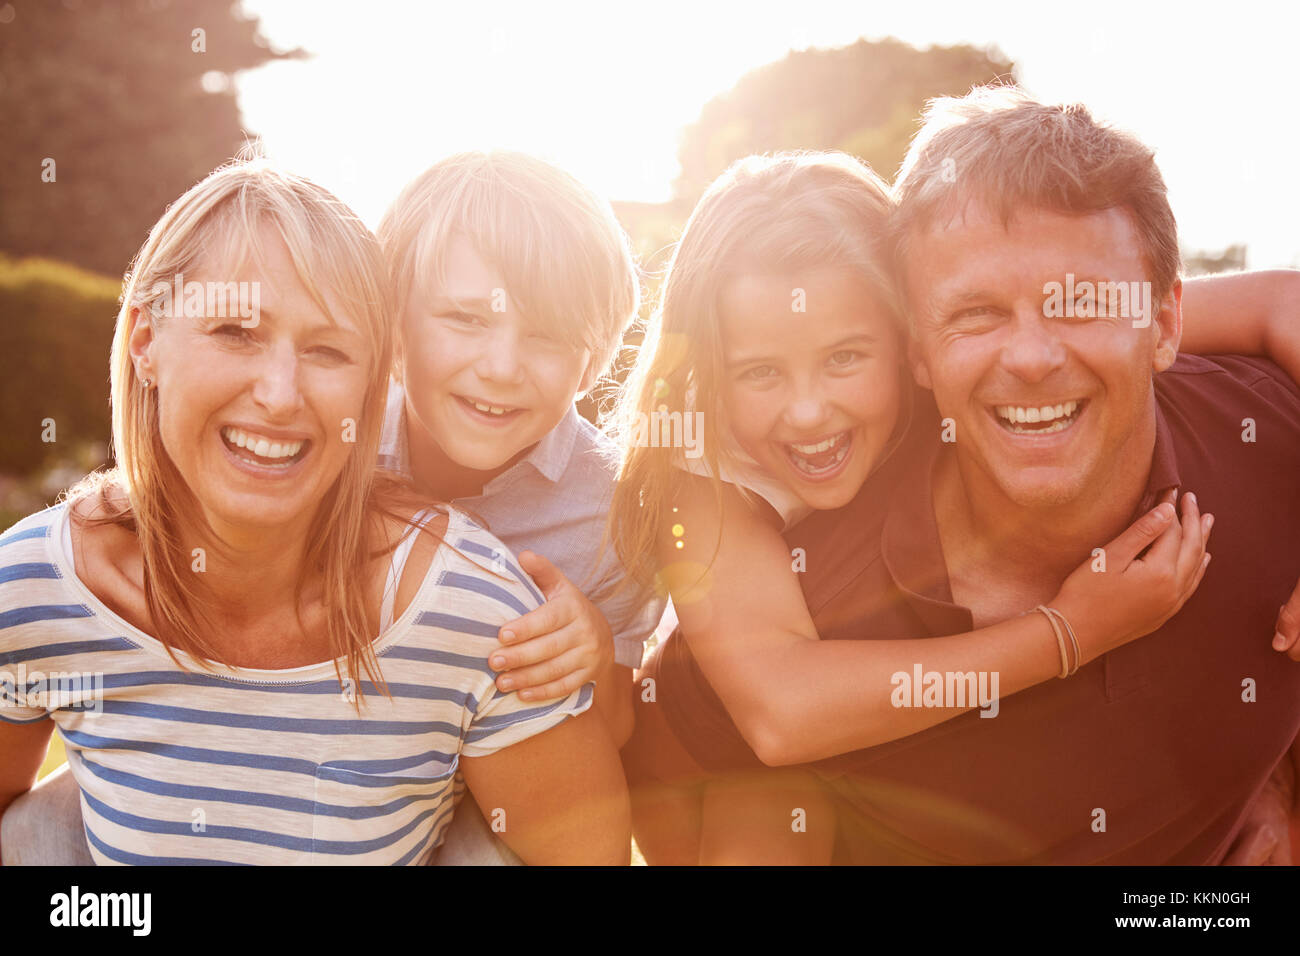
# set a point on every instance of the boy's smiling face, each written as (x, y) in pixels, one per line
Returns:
(484, 381)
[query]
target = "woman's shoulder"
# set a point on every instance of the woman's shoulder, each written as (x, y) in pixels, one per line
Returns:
(30, 532)
(456, 567)
(36, 584)
(482, 574)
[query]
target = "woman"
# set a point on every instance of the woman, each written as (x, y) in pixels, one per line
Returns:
(225, 584)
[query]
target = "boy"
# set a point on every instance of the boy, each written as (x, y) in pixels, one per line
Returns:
(515, 284)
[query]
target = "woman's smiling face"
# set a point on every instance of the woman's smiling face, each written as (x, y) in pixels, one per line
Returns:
(811, 395)
(255, 416)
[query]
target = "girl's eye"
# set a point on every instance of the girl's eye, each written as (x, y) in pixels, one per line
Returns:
(334, 355)
(463, 318)
(759, 373)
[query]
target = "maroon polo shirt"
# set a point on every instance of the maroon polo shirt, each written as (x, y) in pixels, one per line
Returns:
(1155, 734)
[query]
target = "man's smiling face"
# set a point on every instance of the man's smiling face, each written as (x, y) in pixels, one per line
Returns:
(1046, 408)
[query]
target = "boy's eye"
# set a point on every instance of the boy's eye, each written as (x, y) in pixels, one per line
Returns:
(844, 358)
(332, 354)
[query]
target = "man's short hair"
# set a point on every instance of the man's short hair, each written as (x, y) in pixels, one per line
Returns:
(999, 146)
(566, 260)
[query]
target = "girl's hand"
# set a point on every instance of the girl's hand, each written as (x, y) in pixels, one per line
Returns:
(552, 650)
(1134, 596)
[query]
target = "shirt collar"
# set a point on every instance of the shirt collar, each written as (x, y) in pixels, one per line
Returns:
(550, 457)
(552, 454)
(912, 550)
(1164, 465)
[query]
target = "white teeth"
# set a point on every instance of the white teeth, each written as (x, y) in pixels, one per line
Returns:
(808, 468)
(490, 409)
(1045, 413)
(1060, 416)
(839, 442)
(262, 447)
(821, 446)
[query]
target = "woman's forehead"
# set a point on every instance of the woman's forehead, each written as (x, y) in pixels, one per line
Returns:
(263, 267)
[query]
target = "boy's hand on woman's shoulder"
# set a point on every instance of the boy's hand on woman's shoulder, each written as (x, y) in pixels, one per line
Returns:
(552, 650)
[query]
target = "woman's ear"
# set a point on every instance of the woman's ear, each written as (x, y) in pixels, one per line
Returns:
(139, 343)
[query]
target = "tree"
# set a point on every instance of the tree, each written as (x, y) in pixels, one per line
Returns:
(864, 99)
(110, 110)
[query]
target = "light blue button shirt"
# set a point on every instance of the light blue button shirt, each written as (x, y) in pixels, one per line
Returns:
(555, 501)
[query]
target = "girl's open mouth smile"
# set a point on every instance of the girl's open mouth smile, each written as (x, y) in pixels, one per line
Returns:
(819, 460)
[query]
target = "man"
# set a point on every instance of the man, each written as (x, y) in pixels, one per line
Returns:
(1039, 262)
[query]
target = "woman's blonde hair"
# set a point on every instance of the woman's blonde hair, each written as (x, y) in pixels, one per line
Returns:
(336, 258)
(565, 259)
(766, 213)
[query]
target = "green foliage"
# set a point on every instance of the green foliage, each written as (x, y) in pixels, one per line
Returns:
(864, 99)
(56, 330)
(112, 91)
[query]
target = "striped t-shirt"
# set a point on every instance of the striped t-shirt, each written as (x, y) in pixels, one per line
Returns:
(253, 766)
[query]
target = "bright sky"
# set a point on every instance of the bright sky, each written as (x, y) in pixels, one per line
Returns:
(605, 88)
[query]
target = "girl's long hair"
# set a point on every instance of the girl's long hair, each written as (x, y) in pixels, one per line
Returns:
(766, 213)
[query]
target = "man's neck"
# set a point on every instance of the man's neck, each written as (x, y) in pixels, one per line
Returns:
(1003, 556)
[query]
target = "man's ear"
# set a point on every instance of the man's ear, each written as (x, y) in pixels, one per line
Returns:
(1169, 327)
(920, 371)
(139, 343)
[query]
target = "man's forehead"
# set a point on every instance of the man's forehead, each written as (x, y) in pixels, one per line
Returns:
(980, 243)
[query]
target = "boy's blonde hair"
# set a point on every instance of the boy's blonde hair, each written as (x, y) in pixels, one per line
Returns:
(566, 260)
(789, 211)
(218, 223)
(999, 146)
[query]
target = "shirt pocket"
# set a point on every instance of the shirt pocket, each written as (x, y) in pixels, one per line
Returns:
(369, 818)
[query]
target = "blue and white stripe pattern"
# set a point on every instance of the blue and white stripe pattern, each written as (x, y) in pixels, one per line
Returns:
(246, 766)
